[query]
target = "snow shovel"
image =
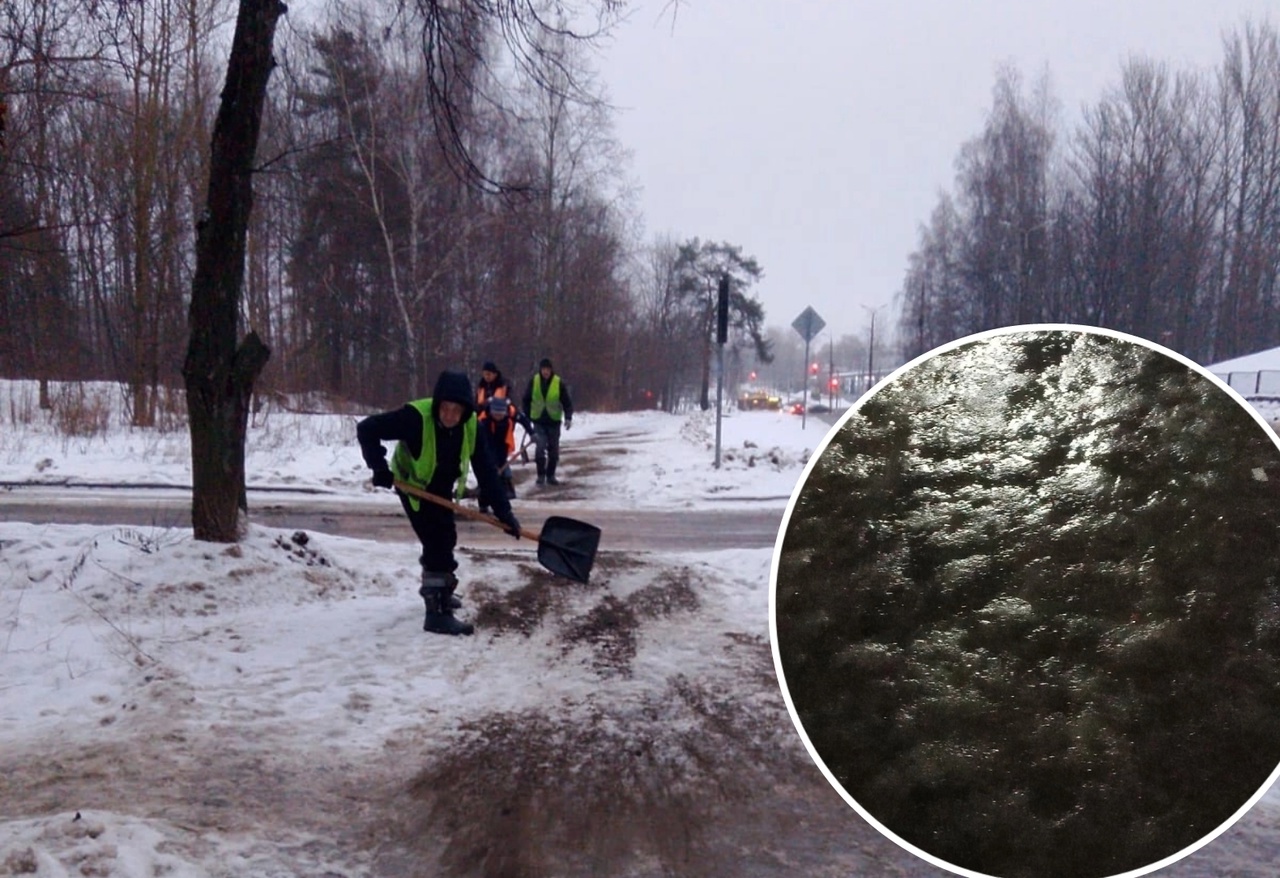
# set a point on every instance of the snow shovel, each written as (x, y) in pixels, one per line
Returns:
(566, 546)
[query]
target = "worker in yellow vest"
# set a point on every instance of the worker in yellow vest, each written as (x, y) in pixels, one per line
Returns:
(547, 403)
(436, 440)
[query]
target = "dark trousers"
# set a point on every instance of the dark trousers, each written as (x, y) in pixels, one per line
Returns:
(546, 442)
(497, 443)
(436, 530)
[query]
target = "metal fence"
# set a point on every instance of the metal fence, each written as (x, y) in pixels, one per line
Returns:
(1265, 382)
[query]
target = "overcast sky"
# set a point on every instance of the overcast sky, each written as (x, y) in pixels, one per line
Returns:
(817, 134)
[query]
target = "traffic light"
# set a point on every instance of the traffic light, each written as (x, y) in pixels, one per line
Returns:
(835, 383)
(813, 370)
(722, 311)
(753, 376)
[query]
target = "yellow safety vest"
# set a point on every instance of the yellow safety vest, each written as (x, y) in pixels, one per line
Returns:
(418, 471)
(552, 401)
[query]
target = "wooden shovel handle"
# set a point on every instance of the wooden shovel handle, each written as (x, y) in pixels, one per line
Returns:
(519, 451)
(464, 511)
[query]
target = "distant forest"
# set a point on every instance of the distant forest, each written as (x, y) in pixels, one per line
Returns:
(437, 185)
(1028, 609)
(378, 253)
(1158, 214)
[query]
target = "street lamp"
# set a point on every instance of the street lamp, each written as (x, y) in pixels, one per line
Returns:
(871, 345)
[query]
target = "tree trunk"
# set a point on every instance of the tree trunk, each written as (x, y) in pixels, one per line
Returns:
(219, 375)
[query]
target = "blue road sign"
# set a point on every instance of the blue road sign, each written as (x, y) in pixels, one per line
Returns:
(808, 324)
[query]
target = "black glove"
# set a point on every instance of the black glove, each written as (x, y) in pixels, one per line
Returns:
(568, 422)
(513, 526)
(382, 478)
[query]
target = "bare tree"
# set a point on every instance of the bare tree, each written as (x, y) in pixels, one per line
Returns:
(219, 370)
(933, 305)
(664, 362)
(220, 373)
(1250, 101)
(1197, 146)
(568, 124)
(160, 56)
(1004, 191)
(43, 49)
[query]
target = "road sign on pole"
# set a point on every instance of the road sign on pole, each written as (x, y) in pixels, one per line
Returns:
(808, 324)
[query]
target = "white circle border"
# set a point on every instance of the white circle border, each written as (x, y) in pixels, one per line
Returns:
(804, 478)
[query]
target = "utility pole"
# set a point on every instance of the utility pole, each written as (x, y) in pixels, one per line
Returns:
(871, 353)
(722, 336)
(871, 346)
(831, 373)
(804, 387)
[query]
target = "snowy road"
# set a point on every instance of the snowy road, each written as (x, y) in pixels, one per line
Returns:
(274, 708)
(379, 517)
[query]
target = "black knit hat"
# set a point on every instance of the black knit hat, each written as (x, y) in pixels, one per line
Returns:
(454, 387)
(545, 364)
(489, 366)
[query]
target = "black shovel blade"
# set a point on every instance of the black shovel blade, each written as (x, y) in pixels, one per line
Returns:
(567, 547)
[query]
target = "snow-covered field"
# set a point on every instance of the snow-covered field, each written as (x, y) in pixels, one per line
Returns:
(175, 707)
(669, 460)
(271, 708)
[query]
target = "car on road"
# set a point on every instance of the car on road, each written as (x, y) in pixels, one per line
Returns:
(757, 400)
(798, 408)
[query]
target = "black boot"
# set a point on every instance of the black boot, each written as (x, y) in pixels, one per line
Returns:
(436, 595)
(509, 483)
(428, 581)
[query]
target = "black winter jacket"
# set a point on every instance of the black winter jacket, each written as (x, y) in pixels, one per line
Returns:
(405, 425)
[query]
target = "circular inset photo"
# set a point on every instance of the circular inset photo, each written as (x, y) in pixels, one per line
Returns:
(1025, 606)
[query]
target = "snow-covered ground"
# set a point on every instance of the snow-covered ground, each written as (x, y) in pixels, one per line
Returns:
(179, 708)
(175, 707)
(669, 461)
